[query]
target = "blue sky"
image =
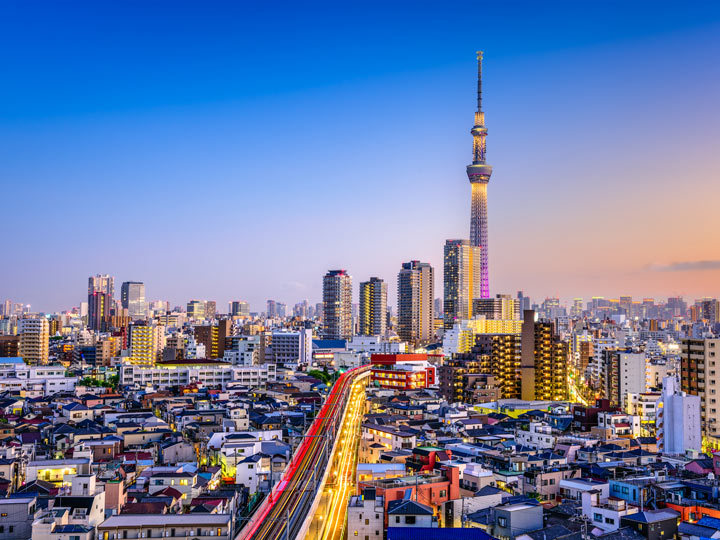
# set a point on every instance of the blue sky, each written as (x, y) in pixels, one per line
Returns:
(238, 150)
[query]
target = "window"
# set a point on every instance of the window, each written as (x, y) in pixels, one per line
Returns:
(502, 521)
(367, 521)
(219, 531)
(397, 519)
(410, 520)
(11, 528)
(598, 518)
(611, 521)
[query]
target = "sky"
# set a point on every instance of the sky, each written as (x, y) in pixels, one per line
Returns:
(239, 150)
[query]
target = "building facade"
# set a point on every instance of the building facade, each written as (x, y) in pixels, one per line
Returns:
(699, 377)
(373, 307)
(337, 305)
(34, 341)
(461, 280)
(416, 302)
(132, 298)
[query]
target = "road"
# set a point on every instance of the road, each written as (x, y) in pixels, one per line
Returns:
(284, 511)
(330, 517)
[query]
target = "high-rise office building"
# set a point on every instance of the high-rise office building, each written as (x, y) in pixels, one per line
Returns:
(415, 302)
(101, 291)
(102, 283)
(34, 341)
(461, 280)
(502, 308)
(271, 311)
(524, 302)
(337, 305)
(373, 307)
(239, 308)
(132, 296)
(210, 309)
(99, 310)
(196, 309)
(479, 175)
(544, 361)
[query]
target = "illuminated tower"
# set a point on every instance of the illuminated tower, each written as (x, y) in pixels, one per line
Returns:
(479, 175)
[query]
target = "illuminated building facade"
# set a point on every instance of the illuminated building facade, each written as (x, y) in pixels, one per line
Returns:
(479, 175)
(402, 371)
(544, 361)
(373, 307)
(503, 307)
(213, 337)
(99, 306)
(416, 302)
(146, 343)
(34, 341)
(337, 305)
(461, 280)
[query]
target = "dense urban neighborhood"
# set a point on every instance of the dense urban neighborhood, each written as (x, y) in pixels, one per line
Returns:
(516, 424)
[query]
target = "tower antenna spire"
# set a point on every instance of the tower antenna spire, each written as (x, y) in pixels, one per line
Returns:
(479, 81)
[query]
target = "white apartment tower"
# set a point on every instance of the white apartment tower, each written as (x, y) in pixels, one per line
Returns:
(678, 420)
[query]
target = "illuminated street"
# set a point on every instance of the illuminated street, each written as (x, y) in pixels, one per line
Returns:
(329, 520)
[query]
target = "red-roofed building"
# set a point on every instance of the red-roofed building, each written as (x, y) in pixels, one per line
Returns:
(402, 371)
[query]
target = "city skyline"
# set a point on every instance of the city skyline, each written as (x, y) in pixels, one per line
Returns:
(593, 220)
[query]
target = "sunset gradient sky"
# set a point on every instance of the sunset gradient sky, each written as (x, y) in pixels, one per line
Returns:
(237, 151)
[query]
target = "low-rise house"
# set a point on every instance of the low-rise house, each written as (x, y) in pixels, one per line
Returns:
(18, 514)
(408, 513)
(509, 521)
(366, 515)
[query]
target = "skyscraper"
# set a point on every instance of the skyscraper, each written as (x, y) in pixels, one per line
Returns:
(132, 296)
(337, 305)
(415, 302)
(479, 175)
(99, 306)
(461, 280)
(373, 307)
(102, 283)
(101, 290)
(239, 308)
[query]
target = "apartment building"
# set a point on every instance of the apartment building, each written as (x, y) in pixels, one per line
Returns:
(700, 376)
